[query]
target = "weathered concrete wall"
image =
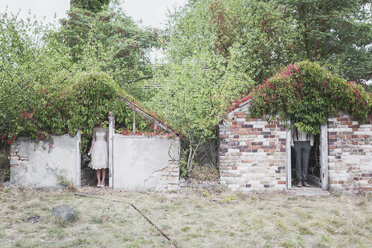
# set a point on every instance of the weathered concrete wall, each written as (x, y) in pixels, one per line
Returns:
(350, 154)
(252, 153)
(142, 163)
(38, 164)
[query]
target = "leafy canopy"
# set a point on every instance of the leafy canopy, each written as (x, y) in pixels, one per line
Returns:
(335, 33)
(115, 40)
(91, 5)
(257, 37)
(216, 49)
(263, 36)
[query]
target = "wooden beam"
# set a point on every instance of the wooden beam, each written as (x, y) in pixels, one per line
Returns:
(146, 115)
(78, 159)
(288, 155)
(134, 121)
(110, 143)
(324, 156)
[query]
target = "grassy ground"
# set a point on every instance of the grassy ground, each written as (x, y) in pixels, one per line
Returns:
(193, 218)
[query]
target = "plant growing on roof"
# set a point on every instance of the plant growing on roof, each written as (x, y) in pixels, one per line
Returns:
(308, 93)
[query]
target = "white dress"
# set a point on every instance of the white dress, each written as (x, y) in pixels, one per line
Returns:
(100, 150)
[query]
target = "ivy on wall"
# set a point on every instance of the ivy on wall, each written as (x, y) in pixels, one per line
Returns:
(307, 94)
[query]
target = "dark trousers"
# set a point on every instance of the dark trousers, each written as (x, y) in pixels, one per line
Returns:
(302, 154)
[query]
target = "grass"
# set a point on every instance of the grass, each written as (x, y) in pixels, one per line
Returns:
(192, 218)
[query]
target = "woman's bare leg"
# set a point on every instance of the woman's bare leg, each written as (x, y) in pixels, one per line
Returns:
(103, 177)
(98, 177)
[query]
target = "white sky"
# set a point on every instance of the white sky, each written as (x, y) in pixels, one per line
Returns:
(150, 12)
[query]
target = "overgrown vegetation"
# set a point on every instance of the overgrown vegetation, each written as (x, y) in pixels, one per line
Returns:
(307, 94)
(218, 49)
(48, 88)
(58, 79)
(193, 95)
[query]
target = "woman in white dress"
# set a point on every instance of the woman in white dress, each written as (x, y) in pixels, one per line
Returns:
(99, 151)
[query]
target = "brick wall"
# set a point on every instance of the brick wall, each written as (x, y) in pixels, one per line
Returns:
(350, 154)
(252, 153)
(169, 177)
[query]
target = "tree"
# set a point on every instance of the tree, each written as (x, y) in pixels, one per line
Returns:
(27, 62)
(90, 5)
(215, 51)
(117, 42)
(335, 33)
(257, 36)
(194, 95)
(267, 35)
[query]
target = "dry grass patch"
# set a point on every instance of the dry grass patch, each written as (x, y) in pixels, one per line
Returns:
(193, 218)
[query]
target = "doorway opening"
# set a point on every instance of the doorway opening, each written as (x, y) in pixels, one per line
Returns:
(89, 175)
(318, 162)
(314, 166)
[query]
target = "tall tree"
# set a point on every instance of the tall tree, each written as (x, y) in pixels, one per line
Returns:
(90, 5)
(337, 33)
(121, 46)
(257, 36)
(262, 36)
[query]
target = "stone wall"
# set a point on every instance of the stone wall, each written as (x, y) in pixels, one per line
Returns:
(350, 154)
(143, 163)
(252, 153)
(39, 164)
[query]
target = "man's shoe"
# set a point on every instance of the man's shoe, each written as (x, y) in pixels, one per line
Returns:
(299, 184)
(305, 184)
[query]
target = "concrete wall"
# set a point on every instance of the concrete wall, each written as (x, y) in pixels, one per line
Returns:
(350, 154)
(38, 164)
(142, 163)
(252, 153)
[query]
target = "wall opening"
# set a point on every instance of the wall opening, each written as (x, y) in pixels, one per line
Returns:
(318, 162)
(314, 166)
(314, 163)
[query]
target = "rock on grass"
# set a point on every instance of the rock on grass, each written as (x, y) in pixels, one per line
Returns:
(64, 212)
